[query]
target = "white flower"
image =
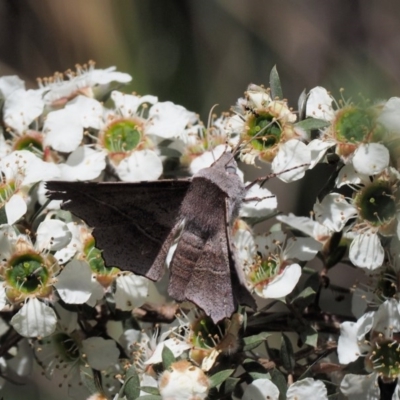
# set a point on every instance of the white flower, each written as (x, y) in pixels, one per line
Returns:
(373, 337)
(375, 210)
(20, 170)
(272, 274)
(183, 381)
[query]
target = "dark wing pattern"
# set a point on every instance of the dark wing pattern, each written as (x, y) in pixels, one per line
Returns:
(131, 221)
(200, 267)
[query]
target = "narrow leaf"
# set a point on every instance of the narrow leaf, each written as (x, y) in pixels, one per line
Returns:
(230, 385)
(167, 357)
(279, 380)
(275, 84)
(251, 342)
(287, 356)
(131, 387)
(150, 389)
(310, 124)
(220, 377)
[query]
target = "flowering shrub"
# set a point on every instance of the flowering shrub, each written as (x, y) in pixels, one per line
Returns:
(106, 333)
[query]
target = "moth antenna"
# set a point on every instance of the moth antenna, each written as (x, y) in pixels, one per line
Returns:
(209, 125)
(264, 179)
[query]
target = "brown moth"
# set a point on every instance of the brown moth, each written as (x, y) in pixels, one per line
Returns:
(135, 225)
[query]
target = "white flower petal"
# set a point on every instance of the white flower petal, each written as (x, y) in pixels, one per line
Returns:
(128, 104)
(176, 346)
(9, 84)
(74, 283)
(21, 107)
(387, 318)
(101, 353)
(318, 148)
(3, 297)
(371, 158)
(83, 164)
(261, 389)
(97, 293)
(366, 251)
(283, 284)
(264, 205)
(52, 234)
(15, 208)
(334, 211)
(306, 389)
(34, 319)
(390, 116)
(360, 387)
(349, 176)
(142, 165)
(206, 159)
(307, 225)
(63, 129)
(131, 291)
(169, 120)
(294, 157)
(304, 249)
(319, 104)
(348, 349)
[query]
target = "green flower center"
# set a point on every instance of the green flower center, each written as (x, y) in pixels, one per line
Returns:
(66, 347)
(27, 273)
(377, 204)
(385, 358)
(30, 143)
(7, 189)
(206, 334)
(264, 270)
(122, 136)
(267, 131)
(353, 125)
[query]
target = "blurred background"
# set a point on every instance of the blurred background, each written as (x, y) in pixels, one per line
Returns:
(201, 53)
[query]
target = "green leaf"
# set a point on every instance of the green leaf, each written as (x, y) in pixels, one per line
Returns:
(150, 389)
(304, 299)
(309, 336)
(301, 104)
(275, 84)
(280, 381)
(131, 387)
(220, 377)
(230, 384)
(149, 397)
(287, 356)
(167, 357)
(251, 342)
(3, 215)
(310, 124)
(259, 375)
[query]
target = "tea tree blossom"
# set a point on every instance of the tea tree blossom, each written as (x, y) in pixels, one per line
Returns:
(107, 333)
